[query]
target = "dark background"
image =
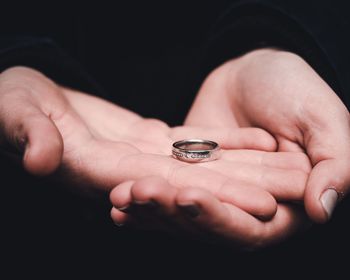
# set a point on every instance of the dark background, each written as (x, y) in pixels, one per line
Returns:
(145, 56)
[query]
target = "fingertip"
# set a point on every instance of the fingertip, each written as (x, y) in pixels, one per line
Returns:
(266, 141)
(266, 208)
(251, 138)
(328, 181)
(315, 210)
(313, 206)
(320, 205)
(120, 196)
(119, 218)
(254, 200)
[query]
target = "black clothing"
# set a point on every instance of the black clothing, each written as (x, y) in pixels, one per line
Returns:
(156, 53)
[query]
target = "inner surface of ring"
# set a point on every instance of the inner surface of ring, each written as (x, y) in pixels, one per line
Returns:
(196, 146)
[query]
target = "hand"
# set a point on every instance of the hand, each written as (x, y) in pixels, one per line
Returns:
(152, 203)
(87, 141)
(281, 93)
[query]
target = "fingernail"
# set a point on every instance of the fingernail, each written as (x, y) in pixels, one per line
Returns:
(329, 200)
(148, 204)
(124, 209)
(191, 211)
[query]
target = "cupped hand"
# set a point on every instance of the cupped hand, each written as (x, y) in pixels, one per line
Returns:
(279, 92)
(152, 203)
(87, 141)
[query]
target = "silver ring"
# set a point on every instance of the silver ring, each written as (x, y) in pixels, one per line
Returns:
(196, 150)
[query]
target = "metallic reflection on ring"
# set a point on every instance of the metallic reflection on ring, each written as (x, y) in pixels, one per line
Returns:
(196, 150)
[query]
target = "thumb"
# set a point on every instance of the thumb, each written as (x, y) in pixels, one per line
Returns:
(329, 181)
(327, 145)
(36, 133)
(44, 145)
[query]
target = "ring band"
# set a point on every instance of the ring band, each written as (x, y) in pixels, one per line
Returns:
(196, 150)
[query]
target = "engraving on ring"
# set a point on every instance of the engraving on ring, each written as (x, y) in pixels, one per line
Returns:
(191, 155)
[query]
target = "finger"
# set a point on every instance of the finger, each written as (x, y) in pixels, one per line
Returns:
(36, 133)
(327, 144)
(156, 200)
(125, 211)
(211, 215)
(231, 223)
(283, 184)
(282, 160)
(228, 138)
(328, 183)
(285, 145)
(148, 203)
(155, 190)
(252, 199)
(44, 147)
(141, 199)
(120, 196)
(152, 200)
(119, 217)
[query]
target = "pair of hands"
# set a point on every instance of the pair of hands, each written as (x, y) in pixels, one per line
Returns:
(92, 144)
(278, 92)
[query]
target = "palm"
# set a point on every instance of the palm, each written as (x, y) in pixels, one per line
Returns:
(97, 134)
(104, 121)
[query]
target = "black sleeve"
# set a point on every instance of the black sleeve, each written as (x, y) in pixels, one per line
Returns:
(315, 30)
(45, 56)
